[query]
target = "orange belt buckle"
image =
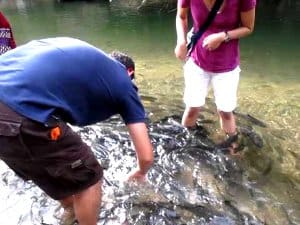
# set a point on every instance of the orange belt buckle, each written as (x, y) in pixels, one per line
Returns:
(55, 133)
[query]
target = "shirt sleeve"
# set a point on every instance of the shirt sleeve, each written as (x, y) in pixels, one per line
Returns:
(247, 5)
(131, 108)
(184, 3)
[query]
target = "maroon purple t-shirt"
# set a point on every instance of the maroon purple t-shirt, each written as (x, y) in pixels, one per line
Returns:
(7, 41)
(226, 57)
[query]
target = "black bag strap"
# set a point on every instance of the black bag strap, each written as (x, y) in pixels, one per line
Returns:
(213, 12)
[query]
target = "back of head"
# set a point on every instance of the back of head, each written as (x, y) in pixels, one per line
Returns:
(126, 60)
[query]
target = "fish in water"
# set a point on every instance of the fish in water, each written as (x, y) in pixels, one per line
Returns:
(255, 138)
(250, 118)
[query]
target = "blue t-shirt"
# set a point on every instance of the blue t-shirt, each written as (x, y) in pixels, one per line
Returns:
(70, 79)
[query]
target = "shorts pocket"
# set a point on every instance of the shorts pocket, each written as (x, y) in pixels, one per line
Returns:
(9, 128)
(77, 172)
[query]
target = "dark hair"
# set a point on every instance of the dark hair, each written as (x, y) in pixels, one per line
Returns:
(125, 60)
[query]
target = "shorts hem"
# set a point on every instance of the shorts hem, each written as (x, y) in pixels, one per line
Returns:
(76, 191)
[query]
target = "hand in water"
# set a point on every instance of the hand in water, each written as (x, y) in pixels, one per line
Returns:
(136, 175)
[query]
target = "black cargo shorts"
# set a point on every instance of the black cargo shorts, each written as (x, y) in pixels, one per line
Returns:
(54, 157)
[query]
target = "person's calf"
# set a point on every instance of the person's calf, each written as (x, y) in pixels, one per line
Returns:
(68, 217)
(65, 215)
(227, 121)
(87, 205)
(190, 117)
(67, 202)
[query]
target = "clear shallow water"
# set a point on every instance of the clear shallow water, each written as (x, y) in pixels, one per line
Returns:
(269, 90)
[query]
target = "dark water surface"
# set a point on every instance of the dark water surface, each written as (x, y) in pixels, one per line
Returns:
(192, 181)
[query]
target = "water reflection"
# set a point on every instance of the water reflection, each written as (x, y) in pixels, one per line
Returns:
(192, 181)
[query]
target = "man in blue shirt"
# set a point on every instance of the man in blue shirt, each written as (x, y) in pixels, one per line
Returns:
(48, 83)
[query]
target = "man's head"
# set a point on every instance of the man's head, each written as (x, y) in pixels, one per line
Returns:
(126, 61)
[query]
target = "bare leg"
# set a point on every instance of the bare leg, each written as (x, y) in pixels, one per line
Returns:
(87, 205)
(68, 216)
(190, 116)
(227, 121)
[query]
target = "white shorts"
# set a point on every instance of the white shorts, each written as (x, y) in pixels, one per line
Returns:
(197, 82)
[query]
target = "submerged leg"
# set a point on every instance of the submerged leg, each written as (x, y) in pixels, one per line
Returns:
(87, 205)
(68, 216)
(190, 116)
(227, 122)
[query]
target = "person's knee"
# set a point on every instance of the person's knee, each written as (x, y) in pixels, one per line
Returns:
(96, 188)
(226, 115)
(91, 192)
(192, 112)
(87, 204)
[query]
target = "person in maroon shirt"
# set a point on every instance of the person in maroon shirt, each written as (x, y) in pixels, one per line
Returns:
(7, 41)
(215, 60)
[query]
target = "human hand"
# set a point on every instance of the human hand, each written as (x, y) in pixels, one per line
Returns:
(143, 148)
(181, 51)
(136, 175)
(213, 41)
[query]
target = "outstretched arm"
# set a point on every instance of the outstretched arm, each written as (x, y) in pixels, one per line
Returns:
(143, 148)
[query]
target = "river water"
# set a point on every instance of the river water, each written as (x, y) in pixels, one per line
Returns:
(190, 183)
